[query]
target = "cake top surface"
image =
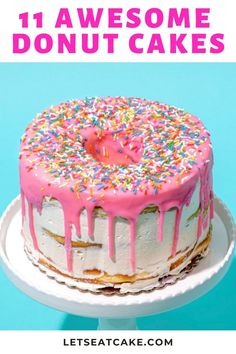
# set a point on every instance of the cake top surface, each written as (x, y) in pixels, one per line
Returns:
(114, 144)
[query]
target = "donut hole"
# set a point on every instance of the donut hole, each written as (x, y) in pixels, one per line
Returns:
(112, 148)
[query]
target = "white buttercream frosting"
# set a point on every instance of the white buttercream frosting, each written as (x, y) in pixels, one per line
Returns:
(152, 256)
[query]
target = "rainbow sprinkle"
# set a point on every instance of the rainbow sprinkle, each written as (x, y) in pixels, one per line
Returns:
(170, 137)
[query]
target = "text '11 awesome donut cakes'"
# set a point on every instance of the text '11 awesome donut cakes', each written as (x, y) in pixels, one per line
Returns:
(116, 192)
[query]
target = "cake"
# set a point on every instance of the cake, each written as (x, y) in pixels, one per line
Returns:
(116, 193)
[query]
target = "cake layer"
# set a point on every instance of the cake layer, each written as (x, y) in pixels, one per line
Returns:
(121, 284)
(152, 253)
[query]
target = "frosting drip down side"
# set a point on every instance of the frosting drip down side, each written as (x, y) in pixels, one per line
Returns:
(73, 213)
(121, 155)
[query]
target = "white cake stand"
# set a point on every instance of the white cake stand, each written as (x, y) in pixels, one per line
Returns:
(115, 312)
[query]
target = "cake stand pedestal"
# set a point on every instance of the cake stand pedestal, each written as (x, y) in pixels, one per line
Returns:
(115, 312)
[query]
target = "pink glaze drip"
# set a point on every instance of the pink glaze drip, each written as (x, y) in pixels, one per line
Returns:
(111, 225)
(161, 218)
(205, 196)
(176, 230)
(132, 244)
(31, 226)
(68, 244)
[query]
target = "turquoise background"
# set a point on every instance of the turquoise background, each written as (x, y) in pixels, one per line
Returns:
(207, 90)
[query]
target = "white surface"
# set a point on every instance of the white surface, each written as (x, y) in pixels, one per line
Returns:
(221, 19)
(47, 291)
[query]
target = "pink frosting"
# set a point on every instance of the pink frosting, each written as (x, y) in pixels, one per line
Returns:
(126, 199)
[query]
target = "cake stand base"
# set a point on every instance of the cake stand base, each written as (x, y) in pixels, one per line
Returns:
(117, 324)
(115, 312)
